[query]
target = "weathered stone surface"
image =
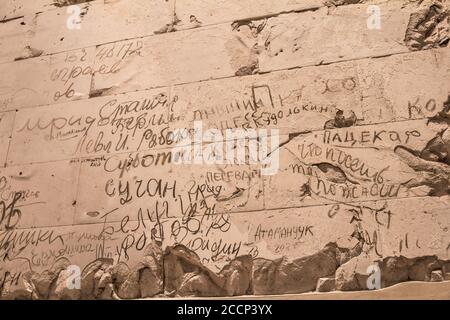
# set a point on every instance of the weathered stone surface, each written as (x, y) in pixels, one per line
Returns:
(151, 276)
(289, 102)
(98, 126)
(429, 27)
(130, 288)
(269, 238)
(91, 277)
(431, 163)
(13, 44)
(237, 276)
(17, 8)
(436, 276)
(47, 281)
(326, 285)
(60, 290)
(34, 191)
(150, 284)
(446, 267)
(425, 75)
(357, 117)
(185, 189)
(285, 40)
(102, 119)
(19, 289)
(405, 236)
(193, 14)
(143, 280)
(106, 18)
(49, 79)
(45, 24)
(300, 275)
(422, 267)
(352, 275)
(328, 166)
(250, 48)
(185, 275)
(6, 121)
(170, 66)
(60, 29)
(394, 270)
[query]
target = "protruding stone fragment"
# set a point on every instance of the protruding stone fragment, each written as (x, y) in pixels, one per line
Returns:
(143, 280)
(446, 267)
(428, 27)
(45, 280)
(394, 270)
(436, 276)
(20, 288)
(185, 275)
(151, 276)
(352, 275)
(301, 275)
(108, 293)
(90, 276)
(326, 285)
(237, 276)
(130, 289)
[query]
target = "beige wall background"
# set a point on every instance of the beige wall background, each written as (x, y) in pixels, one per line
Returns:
(87, 179)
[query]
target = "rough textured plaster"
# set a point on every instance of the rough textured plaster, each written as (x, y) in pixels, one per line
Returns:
(87, 177)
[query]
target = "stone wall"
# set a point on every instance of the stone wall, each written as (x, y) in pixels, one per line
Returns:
(88, 116)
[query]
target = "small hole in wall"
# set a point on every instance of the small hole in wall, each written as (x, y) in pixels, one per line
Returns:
(23, 23)
(61, 39)
(20, 173)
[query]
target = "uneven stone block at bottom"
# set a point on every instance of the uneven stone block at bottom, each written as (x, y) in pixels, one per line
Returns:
(436, 276)
(326, 285)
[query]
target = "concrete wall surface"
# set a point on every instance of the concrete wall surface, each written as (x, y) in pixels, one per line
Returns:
(212, 148)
